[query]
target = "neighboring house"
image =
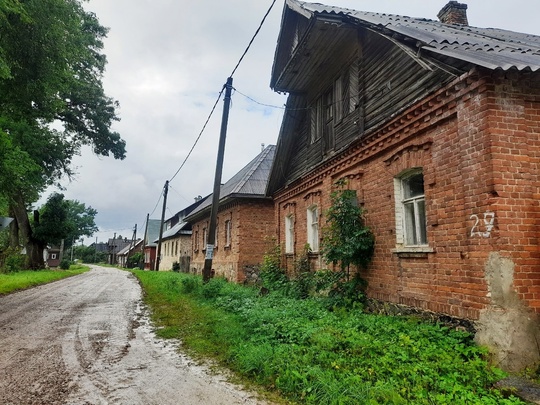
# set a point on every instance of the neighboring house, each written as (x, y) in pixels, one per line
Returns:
(176, 240)
(150, 236)
(176, 247)
(123, 255)
(100, 247)
(52, 256)
(436, 126)
(115, 245)
(245, 219)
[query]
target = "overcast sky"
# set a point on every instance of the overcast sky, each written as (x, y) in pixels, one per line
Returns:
(168, 61)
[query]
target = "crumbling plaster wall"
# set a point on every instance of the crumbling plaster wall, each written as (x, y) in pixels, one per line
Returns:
(506, 326)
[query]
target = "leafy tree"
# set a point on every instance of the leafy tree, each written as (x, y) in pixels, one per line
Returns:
(82, 221)
(63, 219)
(51, 102)
(346, 239)
(52, 223)
(88, 254)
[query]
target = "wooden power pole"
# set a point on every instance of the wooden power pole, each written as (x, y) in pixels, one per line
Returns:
(158, 253)
(207, 271)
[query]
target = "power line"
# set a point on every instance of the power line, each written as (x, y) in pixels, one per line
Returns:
(221, 92)
(258, 102)
(200, 134)
(157, 203)
(253, 38)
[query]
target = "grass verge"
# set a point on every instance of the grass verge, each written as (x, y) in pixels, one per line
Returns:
(310, 355)
(22, 280)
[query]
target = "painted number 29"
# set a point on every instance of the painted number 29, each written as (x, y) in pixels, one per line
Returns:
(489, 219)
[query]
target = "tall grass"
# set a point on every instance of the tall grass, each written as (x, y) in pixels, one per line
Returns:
(21, 280)
(311, 355)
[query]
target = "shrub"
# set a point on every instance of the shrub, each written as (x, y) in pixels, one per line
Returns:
(176, 267)
(13, 262)
(346, 239)
(212, 289)
(272, 275)
(191, 284)
(64, 264)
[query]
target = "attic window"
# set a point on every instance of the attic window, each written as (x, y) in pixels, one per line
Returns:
(338, 101)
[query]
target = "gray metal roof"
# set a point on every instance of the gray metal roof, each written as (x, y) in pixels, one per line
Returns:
(248, 182)
(152, 231)
(177, 229)
(488, 47)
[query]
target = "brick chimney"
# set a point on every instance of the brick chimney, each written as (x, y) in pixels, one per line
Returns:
(454, 13)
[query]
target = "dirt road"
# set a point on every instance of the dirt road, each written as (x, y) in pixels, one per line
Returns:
(87, 340)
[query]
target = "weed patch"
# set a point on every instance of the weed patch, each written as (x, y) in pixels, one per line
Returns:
(308, 354)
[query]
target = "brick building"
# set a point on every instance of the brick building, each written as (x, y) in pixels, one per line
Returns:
(436, 126)
(245, 220)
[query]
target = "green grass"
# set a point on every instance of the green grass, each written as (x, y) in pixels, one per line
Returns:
(25, 279)
(307, 354)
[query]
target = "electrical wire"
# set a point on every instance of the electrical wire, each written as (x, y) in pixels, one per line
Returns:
(221, 92)
(253, 38)
(200, 134)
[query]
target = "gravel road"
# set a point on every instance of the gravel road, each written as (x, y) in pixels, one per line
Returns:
(87, 340)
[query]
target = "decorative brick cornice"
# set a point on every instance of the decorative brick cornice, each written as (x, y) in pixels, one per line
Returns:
(409, 148)
(314, 193)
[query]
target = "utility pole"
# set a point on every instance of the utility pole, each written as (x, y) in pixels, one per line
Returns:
(144, 243)
(207, 271)
(158, 253)
(113, 257)
(132, 244)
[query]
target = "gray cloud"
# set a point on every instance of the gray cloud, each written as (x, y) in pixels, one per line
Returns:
(168, 60)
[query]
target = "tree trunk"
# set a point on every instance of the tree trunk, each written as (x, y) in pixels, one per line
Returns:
(34, 248)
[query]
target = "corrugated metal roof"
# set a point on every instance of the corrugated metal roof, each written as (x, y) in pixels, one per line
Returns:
(488, 47)
(175, 230)
(248, 182)
(152, 231)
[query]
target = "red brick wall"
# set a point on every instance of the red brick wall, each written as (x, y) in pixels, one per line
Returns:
(478, 143)
(252, 223)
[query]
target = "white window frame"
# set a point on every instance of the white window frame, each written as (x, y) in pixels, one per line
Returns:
(205, 238)
(228, 233)
(313, 228)
(410, 235)
(289, 234)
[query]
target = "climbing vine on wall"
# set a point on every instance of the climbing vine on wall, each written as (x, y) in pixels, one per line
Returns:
(346, 239)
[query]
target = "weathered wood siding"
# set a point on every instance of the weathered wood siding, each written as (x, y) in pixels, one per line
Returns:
(389, 80)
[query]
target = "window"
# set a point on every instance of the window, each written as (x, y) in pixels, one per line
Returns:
(411, 228)
(53, 255)
(204, 238)
(333, 105)
(228, 232)
(196, 241)
(289, 234)
(313, 228)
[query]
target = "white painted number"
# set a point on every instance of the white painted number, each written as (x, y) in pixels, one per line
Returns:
(489, 219)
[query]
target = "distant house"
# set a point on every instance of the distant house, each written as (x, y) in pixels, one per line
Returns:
(245, 219)
(123, 255)
(52, 256)
(435, 125)
(115, 245)
(150, 237)
(176, 240)
(176, 247)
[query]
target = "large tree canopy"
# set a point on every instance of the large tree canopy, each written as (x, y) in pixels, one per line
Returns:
(51, 101)
(63, 219)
